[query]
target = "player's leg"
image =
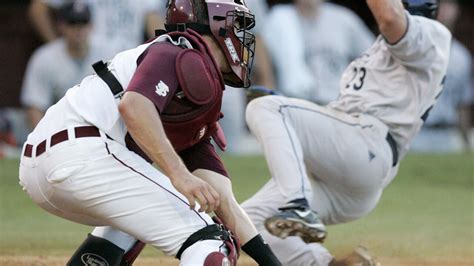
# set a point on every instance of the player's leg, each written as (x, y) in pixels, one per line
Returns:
(272, 122)
(348, 158)
(263, 204)
(291, 250)
(119, 248)
(111, 244)
(237, 220)
(97, 184)
(229, 211)
(345, 153)
(347, 169)
(281, 145)
(200, 246)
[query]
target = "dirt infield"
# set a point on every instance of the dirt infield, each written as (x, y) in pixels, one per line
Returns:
(60, 261)
(243, 261)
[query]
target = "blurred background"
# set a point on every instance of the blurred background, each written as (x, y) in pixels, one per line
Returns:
(46, 48)
(424, 218)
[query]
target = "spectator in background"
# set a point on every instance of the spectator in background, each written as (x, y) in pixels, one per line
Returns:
(262, 73)
(448, 124)
(320, 40)
(60, 64)
(121, 24)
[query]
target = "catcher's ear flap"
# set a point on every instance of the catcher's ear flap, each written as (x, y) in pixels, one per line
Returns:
(195, 77)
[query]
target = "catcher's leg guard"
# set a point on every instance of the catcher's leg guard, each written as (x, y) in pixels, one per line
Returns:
(226, 256)
(96, 251)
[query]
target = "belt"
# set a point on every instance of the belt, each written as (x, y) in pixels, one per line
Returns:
(61, 136)
(393, 147)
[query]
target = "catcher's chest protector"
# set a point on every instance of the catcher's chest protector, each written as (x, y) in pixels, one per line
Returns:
(194, 110)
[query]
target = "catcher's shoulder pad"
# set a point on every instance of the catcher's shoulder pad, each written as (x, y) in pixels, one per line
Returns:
(195, 78)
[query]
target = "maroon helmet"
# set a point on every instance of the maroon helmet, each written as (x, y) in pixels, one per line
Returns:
(229, 21)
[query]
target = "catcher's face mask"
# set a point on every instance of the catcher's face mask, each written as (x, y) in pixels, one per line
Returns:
(229, 22)
(234, 37)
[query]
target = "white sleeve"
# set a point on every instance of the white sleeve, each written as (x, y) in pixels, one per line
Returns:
(424, 41)
(36, 90)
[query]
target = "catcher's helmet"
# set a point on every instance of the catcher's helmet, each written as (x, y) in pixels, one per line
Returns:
(229, 21)
(425, 8)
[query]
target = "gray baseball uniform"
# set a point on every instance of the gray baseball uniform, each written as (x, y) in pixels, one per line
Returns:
(338, 156)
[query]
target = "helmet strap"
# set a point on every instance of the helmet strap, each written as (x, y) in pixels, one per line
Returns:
(181, 27)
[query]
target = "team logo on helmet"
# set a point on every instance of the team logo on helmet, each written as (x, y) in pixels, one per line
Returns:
(232, 51)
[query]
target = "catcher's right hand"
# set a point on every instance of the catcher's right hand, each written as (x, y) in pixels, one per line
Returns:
(196, 189)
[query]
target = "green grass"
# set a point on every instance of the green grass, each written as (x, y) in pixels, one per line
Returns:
(426, 212)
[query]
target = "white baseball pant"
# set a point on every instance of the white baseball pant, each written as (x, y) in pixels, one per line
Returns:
(335, 160)
(99, 182)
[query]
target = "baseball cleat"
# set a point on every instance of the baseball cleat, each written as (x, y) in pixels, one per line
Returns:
(359, 257)
(294, 220)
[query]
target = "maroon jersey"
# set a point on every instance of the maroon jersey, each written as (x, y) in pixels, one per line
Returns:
(186, 88)
(154, 69)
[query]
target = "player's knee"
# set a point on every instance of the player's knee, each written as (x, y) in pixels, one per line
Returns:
(251, 111)
(211, 245)
(261, 110)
